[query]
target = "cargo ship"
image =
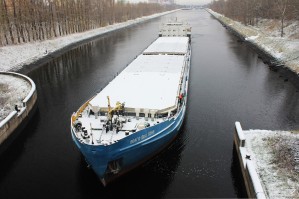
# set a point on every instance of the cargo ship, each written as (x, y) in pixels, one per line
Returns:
(139, 113)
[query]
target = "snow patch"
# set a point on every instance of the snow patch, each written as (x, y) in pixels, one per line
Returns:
(276, 158)
(13, 91)
(251, 38)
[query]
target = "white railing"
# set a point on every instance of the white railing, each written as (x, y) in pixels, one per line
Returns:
(251, 178)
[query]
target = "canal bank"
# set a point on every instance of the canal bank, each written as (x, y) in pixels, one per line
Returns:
(269, 162)
(38, 53)
(276, 52)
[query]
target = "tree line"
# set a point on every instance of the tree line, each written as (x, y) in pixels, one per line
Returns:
(250, 11)
(24, 21)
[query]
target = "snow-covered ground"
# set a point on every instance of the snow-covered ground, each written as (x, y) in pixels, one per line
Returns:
(14, 57)
(13, 91)
(272, 27)
(276, 158)
(266, 37)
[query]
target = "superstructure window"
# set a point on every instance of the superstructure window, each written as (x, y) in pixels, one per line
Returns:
(131, 114)
(141, 114)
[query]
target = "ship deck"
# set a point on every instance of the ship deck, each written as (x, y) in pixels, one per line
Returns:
(149, 87)
(168, 45)
(99, 136)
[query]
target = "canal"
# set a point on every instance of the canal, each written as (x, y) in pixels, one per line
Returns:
(228, 83)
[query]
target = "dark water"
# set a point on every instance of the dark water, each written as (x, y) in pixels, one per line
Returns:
(228, 83)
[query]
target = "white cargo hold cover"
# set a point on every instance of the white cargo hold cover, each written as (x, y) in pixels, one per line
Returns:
(168, 45)
(149, 82)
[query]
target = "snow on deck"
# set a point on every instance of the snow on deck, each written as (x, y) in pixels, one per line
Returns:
(99, 134)
(150, 81)
(169, 45)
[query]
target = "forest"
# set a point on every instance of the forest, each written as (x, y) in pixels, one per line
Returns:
(249, 12)
(24, 21)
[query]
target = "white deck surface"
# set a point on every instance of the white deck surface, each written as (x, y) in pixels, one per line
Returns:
(169, 45)
(150, 81)
(99, 136)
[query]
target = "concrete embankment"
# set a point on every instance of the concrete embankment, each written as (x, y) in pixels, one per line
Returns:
(268, 161)
(276, 52)
(13, 124)
(252, 182)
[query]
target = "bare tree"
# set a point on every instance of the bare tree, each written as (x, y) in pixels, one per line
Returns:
(31, 20)
(249, 11)
(281, 6)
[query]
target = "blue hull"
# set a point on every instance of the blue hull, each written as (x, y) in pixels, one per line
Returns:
(132, 150)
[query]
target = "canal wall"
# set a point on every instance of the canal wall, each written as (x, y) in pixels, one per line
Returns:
(13, 124)
(276, 52)
(251, 179)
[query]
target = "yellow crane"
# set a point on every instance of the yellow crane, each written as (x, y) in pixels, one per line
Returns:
(118, 107)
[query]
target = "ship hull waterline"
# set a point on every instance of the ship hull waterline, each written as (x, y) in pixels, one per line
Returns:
(99, 157)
